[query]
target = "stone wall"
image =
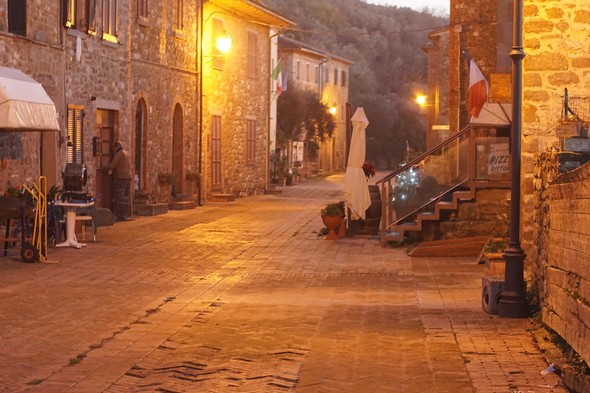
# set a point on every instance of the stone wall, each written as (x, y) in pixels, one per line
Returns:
(557, 56)
(472, 28)
(237, 97)
(164, 75)
(562, 248)
(40, 56)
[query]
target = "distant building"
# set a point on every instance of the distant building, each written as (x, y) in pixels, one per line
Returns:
(328, 76)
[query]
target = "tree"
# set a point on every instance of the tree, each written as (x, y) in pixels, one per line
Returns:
(302, 116)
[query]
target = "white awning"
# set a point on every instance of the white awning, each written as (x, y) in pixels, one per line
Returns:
(493, 114)
(24, 104)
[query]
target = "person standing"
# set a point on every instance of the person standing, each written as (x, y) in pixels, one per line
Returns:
(120, 168)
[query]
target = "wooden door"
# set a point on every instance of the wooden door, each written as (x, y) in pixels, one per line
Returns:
(105, 125)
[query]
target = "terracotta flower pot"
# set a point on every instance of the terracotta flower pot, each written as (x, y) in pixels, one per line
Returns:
(332, 223)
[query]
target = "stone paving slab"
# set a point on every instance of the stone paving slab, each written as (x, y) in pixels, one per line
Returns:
(246, 297)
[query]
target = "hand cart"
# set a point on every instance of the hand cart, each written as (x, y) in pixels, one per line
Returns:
(15, 210)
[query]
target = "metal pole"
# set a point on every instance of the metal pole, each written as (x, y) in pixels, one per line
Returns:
(513, 299)
(201, 4)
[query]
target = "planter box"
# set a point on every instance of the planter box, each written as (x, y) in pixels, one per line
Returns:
(495, 265)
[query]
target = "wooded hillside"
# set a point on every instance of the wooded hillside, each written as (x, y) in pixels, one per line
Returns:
(385, 44)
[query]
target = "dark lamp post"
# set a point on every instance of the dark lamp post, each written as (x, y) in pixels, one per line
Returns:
(513, 298)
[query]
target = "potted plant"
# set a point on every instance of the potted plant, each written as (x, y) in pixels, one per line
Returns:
(332, 216)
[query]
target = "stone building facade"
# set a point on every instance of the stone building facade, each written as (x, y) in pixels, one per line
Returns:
(127, 71)
(328, 76)
(437, 92)
(237, 97)
(38, 51)
(480, 30)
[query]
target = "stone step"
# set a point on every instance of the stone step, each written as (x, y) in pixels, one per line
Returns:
(222, 198)
(464, 247)
(183, 205)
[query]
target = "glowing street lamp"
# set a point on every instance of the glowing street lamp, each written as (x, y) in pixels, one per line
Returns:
(223, 43)
(421, 100)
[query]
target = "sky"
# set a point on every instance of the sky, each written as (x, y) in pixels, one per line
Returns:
(439, 6)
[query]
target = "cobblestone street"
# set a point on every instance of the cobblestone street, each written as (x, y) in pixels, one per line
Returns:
(247, 297)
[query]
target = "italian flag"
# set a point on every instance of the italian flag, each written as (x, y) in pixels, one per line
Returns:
(277, 75)
(478, 89)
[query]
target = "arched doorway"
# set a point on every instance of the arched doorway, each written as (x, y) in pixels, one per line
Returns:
(177, 150)
(140, 133)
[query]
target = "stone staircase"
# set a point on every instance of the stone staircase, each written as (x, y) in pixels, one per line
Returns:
(456, 215)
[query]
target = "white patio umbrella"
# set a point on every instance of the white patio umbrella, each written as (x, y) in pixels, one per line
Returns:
(356, 189)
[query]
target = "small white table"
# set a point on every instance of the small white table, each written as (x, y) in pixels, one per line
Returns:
(70, 215)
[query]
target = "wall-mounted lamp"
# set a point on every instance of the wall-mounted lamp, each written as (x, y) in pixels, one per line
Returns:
(421, 100)
(223, 42)
(332, 110)
(92, 98)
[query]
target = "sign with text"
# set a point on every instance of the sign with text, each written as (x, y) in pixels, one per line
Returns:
(499, 159)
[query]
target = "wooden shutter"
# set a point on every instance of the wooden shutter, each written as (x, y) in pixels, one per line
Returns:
(17, 17)
(251, 142)
(252, 54)
(216, 152)
(75, 135)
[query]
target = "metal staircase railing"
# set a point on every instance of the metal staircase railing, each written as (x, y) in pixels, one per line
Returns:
(440, 179)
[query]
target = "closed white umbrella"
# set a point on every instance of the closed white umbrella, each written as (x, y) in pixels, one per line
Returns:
(356, 189)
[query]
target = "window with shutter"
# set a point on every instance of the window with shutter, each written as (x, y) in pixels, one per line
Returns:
(75, 134)
(252, 54)
(251, 142)
(142, 8)
(80, 15)
(179, 22)
(216, 152)
(217, 55)
(17, 17)
(109, 20)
